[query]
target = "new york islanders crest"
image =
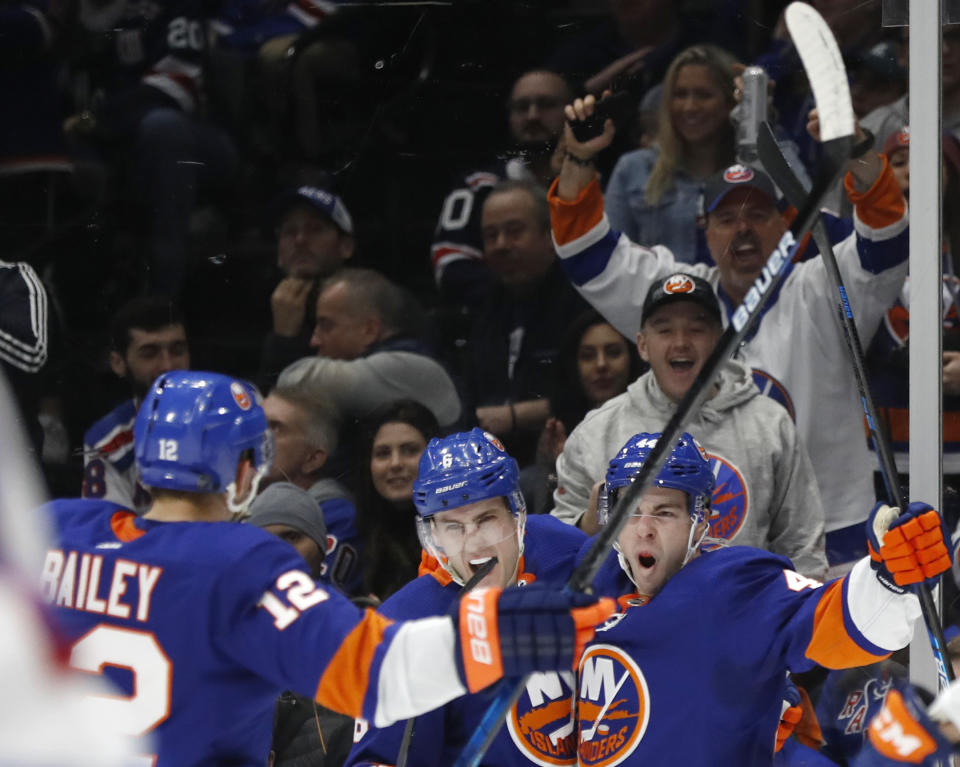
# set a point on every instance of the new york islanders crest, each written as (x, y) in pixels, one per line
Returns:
(613, 706)
(541, 721)
(730, 503)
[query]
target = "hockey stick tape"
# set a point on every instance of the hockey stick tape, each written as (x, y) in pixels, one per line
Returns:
(824, 67)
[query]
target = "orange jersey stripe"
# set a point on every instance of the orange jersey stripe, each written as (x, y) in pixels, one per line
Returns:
(123, 527)
(574, 219)
(882, 204)
(344, 683)
(831, 646)
(898, 422)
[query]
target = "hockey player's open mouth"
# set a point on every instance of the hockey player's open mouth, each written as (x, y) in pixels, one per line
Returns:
(476, 564)
(646, 561)
(681, 364)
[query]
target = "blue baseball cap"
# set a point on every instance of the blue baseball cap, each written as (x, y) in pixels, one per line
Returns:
(734, 177)
(320, 199)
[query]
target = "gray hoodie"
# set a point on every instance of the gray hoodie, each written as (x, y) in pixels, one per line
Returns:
(766, 494)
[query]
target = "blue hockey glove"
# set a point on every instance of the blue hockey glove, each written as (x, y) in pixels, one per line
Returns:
(907, 548)
(514, 632)
(903, 733)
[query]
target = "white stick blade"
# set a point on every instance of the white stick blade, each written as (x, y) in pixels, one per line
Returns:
(824, 67)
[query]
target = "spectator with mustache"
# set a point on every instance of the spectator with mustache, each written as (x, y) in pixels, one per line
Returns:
(796, 341)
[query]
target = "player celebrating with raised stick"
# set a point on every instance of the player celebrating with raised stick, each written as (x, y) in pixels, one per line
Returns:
(723, 627)
(203, 623)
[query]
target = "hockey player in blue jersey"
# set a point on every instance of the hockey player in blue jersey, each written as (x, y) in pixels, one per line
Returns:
(470, 510)
(715, 632)
(907, 731)
(201, 623)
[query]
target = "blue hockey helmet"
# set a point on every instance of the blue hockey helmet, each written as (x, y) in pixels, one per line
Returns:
(458, 470)
(686, 469)
(463, 468)
(193, 428)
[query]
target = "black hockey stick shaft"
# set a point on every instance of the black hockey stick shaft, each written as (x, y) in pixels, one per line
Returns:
(783, 176)
(482, 572)
(741, 323)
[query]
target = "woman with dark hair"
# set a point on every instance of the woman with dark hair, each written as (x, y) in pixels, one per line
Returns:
(391, 442)
(595, 363)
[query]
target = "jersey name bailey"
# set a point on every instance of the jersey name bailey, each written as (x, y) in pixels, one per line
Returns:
(74, 581)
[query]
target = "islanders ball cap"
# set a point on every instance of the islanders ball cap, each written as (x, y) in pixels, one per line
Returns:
(734, 177)
(680, 287)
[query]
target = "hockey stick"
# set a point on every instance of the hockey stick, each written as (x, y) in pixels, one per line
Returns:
(479, 575)
(783, 176)
(827, 77)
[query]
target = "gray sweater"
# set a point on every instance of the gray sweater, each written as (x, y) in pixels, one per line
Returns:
(766, 494)
(358, 387)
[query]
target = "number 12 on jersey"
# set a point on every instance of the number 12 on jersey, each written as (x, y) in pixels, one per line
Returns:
(301, 594)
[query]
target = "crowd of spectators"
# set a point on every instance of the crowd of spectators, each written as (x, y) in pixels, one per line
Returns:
(360, 208)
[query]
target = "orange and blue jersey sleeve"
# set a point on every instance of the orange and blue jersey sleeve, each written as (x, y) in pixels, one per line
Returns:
(277, 622)
(851, 621)
(608, 270)
(880, 220)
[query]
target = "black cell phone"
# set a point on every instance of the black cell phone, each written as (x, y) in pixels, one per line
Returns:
(616, 106)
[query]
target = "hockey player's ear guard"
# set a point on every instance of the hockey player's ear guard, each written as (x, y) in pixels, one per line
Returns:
(193, 428)
(461, 469)
(686, 469)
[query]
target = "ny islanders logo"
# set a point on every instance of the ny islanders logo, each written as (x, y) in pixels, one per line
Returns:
(613, 706)
(774, 389)
(679, 283)
(731, 501)
(738, 174)
(240, 396)
(541, 721)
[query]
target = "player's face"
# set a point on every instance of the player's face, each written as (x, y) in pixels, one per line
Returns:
(151, 353)
(305, 545)
(515, 245)
(742, 232)
(536, 107)
(698, 108)
(471, 534)
(654, 540)
(394, 460)
(342, 332)
(295, 459)
(310, 245)
(603, 360)
(676, 340)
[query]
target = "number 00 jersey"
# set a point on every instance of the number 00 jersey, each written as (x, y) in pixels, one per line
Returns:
(202, 624)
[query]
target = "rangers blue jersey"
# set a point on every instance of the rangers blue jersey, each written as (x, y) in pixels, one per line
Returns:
(716, 642)
(539, 728)
(109, 471)
(848, 702)
(202, 624)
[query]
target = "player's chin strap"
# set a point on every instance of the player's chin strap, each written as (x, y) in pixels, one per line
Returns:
(694, 548)
(240, 510)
